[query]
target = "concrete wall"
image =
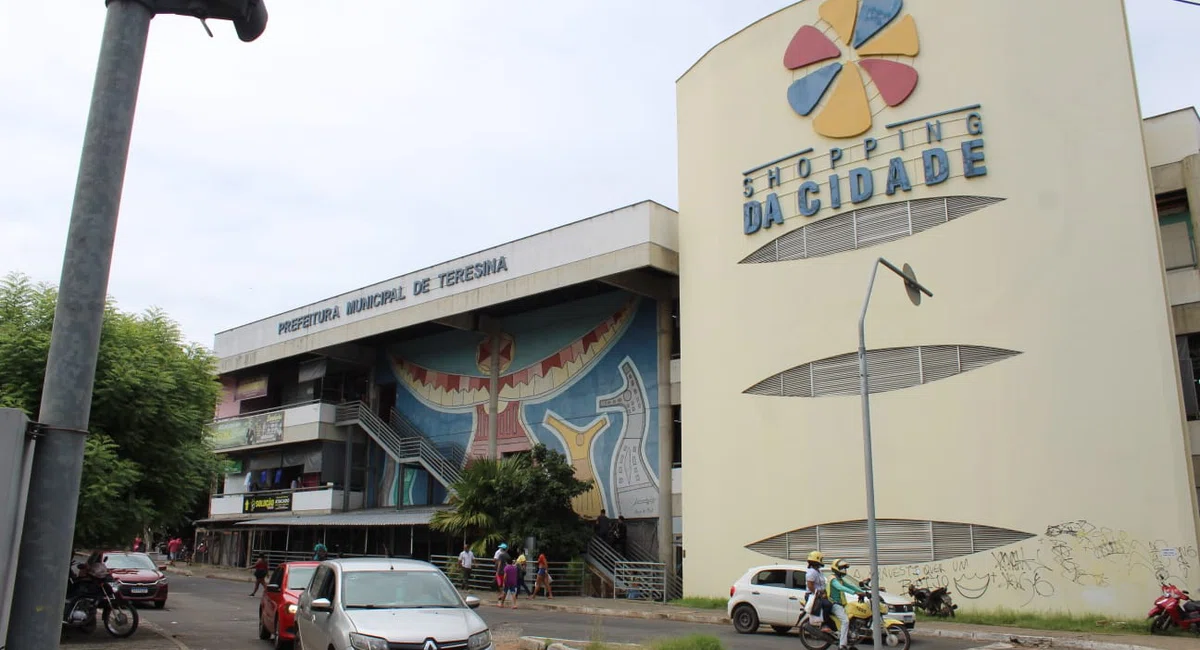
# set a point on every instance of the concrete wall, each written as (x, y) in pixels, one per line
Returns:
(1031, 450)
(1171, 137)
(580, 377)
(644, 234)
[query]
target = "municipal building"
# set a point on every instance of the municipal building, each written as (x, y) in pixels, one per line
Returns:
(1033, 422)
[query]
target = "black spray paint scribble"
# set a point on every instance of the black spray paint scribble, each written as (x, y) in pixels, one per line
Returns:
(1070, 553)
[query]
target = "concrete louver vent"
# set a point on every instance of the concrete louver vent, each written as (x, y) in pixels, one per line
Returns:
(900, 541)
(887, 369)
(877, 224)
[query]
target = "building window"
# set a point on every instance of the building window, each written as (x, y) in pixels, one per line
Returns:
(888, 369)
(1188, 348)
(901, 541)
(677, 434)
(1175, 231)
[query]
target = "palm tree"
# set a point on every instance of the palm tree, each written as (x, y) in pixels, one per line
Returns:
(476, 500)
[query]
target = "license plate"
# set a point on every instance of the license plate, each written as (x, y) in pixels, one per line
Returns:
(139, 590)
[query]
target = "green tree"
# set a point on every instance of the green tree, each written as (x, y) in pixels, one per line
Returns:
(518, 497)
(148, 458)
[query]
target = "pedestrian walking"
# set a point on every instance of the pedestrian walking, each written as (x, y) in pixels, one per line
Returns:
(466, 561)
(521, 582)
(501, 559)
(543, 579)
(510, 584)
(260, 575)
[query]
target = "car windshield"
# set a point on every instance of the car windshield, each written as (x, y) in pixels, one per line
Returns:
(298, 577)
(129, 561)
(397, 590)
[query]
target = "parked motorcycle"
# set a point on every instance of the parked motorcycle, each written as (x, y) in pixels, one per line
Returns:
(935, 602)
(1174, 608)
(895, 634)
(88, 595)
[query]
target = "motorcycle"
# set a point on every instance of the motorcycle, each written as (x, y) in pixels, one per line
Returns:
(895, 634)
(98, 594)
(1174, 608)
(935, 602)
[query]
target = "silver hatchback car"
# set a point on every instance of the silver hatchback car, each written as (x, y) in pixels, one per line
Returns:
(386, 604)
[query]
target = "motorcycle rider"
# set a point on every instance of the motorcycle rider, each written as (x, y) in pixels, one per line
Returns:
(841, 586)
(818, 604)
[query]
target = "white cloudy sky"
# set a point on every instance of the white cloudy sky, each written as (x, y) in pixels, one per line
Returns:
(360, 140)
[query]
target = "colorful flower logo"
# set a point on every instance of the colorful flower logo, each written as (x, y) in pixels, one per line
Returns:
(871, 30)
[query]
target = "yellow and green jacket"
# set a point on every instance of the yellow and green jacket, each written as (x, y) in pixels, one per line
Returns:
(839, 587)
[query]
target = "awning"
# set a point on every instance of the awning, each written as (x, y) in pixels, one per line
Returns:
(375, 517)
(220, 520)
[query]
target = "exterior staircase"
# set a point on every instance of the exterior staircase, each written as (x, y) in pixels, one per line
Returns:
(637, 576)
(406, 446)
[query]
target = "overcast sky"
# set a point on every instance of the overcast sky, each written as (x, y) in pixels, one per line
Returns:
(350, 145)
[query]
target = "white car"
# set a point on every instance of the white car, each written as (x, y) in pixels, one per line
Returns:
(383, 604)
(775, 594)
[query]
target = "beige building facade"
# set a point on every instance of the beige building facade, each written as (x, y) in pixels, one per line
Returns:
(1031, 439)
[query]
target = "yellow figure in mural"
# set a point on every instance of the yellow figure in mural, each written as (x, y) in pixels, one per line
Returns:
(579, 447)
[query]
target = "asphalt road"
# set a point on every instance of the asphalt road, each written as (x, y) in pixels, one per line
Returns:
(210, 614)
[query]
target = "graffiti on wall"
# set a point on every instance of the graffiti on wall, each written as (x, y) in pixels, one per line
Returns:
(580, 378)
(1069, 555)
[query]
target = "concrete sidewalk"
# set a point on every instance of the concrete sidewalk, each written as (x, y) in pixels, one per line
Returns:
(985, 634)
(147, 637)
(210, 571)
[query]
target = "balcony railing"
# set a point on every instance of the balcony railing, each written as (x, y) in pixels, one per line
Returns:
(267, 426)
(314, 499)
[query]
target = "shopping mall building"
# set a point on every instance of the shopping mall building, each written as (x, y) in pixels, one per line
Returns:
(1033, 421)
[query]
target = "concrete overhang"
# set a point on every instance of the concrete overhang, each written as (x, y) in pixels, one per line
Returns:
(616, 248)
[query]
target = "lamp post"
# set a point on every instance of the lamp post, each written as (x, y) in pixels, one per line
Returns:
(46, 540)
(914, 289)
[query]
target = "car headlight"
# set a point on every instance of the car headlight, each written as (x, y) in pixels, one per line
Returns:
(292, 609)
(364, 642)
(479, 641)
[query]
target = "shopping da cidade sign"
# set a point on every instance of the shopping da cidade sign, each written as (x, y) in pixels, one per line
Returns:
(833, 61)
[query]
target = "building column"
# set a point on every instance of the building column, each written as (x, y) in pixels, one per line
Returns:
(666, 438)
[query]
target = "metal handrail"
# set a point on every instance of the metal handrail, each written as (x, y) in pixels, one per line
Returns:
(446, 466)
(639, 553)
(272, 410)
(568, 577)
(413, 446)
(641, 580)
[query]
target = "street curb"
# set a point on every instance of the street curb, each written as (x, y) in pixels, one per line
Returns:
(215, 576)
(625, 613)
(1023, 640)
(164, 634)
(544, 643)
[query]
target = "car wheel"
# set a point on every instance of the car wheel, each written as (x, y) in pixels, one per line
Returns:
(263, 632)
(279, 642)
(781, 629)
(745, 619)
(159, 604)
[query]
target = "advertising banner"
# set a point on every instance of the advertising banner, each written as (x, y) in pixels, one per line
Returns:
(267, 503)
(251, 430)
(251, 387)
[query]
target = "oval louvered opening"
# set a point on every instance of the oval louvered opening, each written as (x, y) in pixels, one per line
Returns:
(888, 369)
(880, 224)
(900, 541)
(867, 227)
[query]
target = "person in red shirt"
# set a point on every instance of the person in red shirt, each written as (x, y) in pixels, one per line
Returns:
(173, 549)
(260, 575)
(543, 577)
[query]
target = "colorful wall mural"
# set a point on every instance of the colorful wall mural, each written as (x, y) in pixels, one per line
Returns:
(581, 378)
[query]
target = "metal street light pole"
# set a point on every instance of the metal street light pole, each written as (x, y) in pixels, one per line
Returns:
(48, 531)
(915, 289)
(46, 543)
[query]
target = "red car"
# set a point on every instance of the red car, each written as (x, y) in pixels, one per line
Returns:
(277, 611)
(141, 580)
